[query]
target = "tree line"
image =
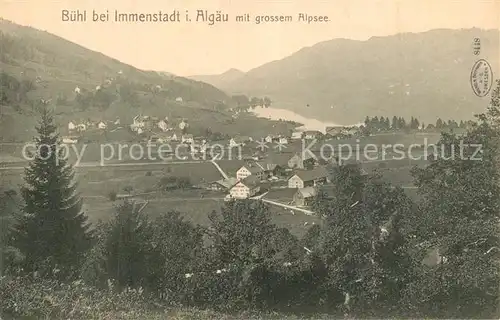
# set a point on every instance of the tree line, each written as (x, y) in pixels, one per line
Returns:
(368, 258)
(377, 124)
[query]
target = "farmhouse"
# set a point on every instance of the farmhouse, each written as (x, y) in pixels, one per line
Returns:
(238, 141)
(162, 125)
(271, 138)
(308, 178)
(187, 138)
(69, 140)
(300, 161)
(81, 127)
(71, 126)
(248, 170)
(139, 122)
(245, 188)
(352, 131)
(334, 131)
(283, 140)
(296, 135)
(222, 185)
(101, 125)
(304, 196)
(183, 124)
(312, 134)
(178, 99)
(173, 136)
(278, 163)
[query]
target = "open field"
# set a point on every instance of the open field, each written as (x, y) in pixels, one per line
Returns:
(95, 184)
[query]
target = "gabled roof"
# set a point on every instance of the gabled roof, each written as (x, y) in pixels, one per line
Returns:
(227, 183)
(265, 166)
(300, 155)
(312, 132)
(250, 181)
(252, 168)
(280, 159)
(307, 192)
(334, 130)
(309, 175)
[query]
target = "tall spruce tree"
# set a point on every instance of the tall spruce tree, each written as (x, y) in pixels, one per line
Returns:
(53, 232)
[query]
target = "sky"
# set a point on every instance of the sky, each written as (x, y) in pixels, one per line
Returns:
(193, 48)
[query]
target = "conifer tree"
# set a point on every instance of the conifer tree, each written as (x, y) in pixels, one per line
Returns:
(53, 232)
(395, 123)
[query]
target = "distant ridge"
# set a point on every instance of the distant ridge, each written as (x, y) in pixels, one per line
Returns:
(408, 74)
(220, 80)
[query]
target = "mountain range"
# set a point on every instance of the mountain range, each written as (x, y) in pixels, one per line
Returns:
(222, 80)
(36, 65)
(426, 75)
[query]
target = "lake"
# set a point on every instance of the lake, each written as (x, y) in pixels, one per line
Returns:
(307, 123)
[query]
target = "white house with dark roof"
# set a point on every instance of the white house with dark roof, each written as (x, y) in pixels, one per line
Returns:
(245, 188)
(249, 170)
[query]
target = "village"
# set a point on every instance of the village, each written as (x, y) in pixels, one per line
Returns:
(265, 163)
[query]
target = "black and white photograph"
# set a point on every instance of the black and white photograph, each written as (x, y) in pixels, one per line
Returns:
(249, 159)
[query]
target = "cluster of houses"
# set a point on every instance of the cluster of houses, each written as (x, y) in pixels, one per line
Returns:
(142, 124)
(341, 131)
(84, 125)
(252, 179)
(257, 176)
(270, 138)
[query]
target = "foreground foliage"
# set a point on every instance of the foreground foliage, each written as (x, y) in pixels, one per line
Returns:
(367, 259)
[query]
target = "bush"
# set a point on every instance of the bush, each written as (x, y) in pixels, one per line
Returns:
(112, 195)
(173, 183)
(128, 189)
(149, 174)
(33, 297)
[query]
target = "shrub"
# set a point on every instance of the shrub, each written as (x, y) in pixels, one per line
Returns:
(172, 183)
(112, 195)
(33, 297)
(149, 174)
